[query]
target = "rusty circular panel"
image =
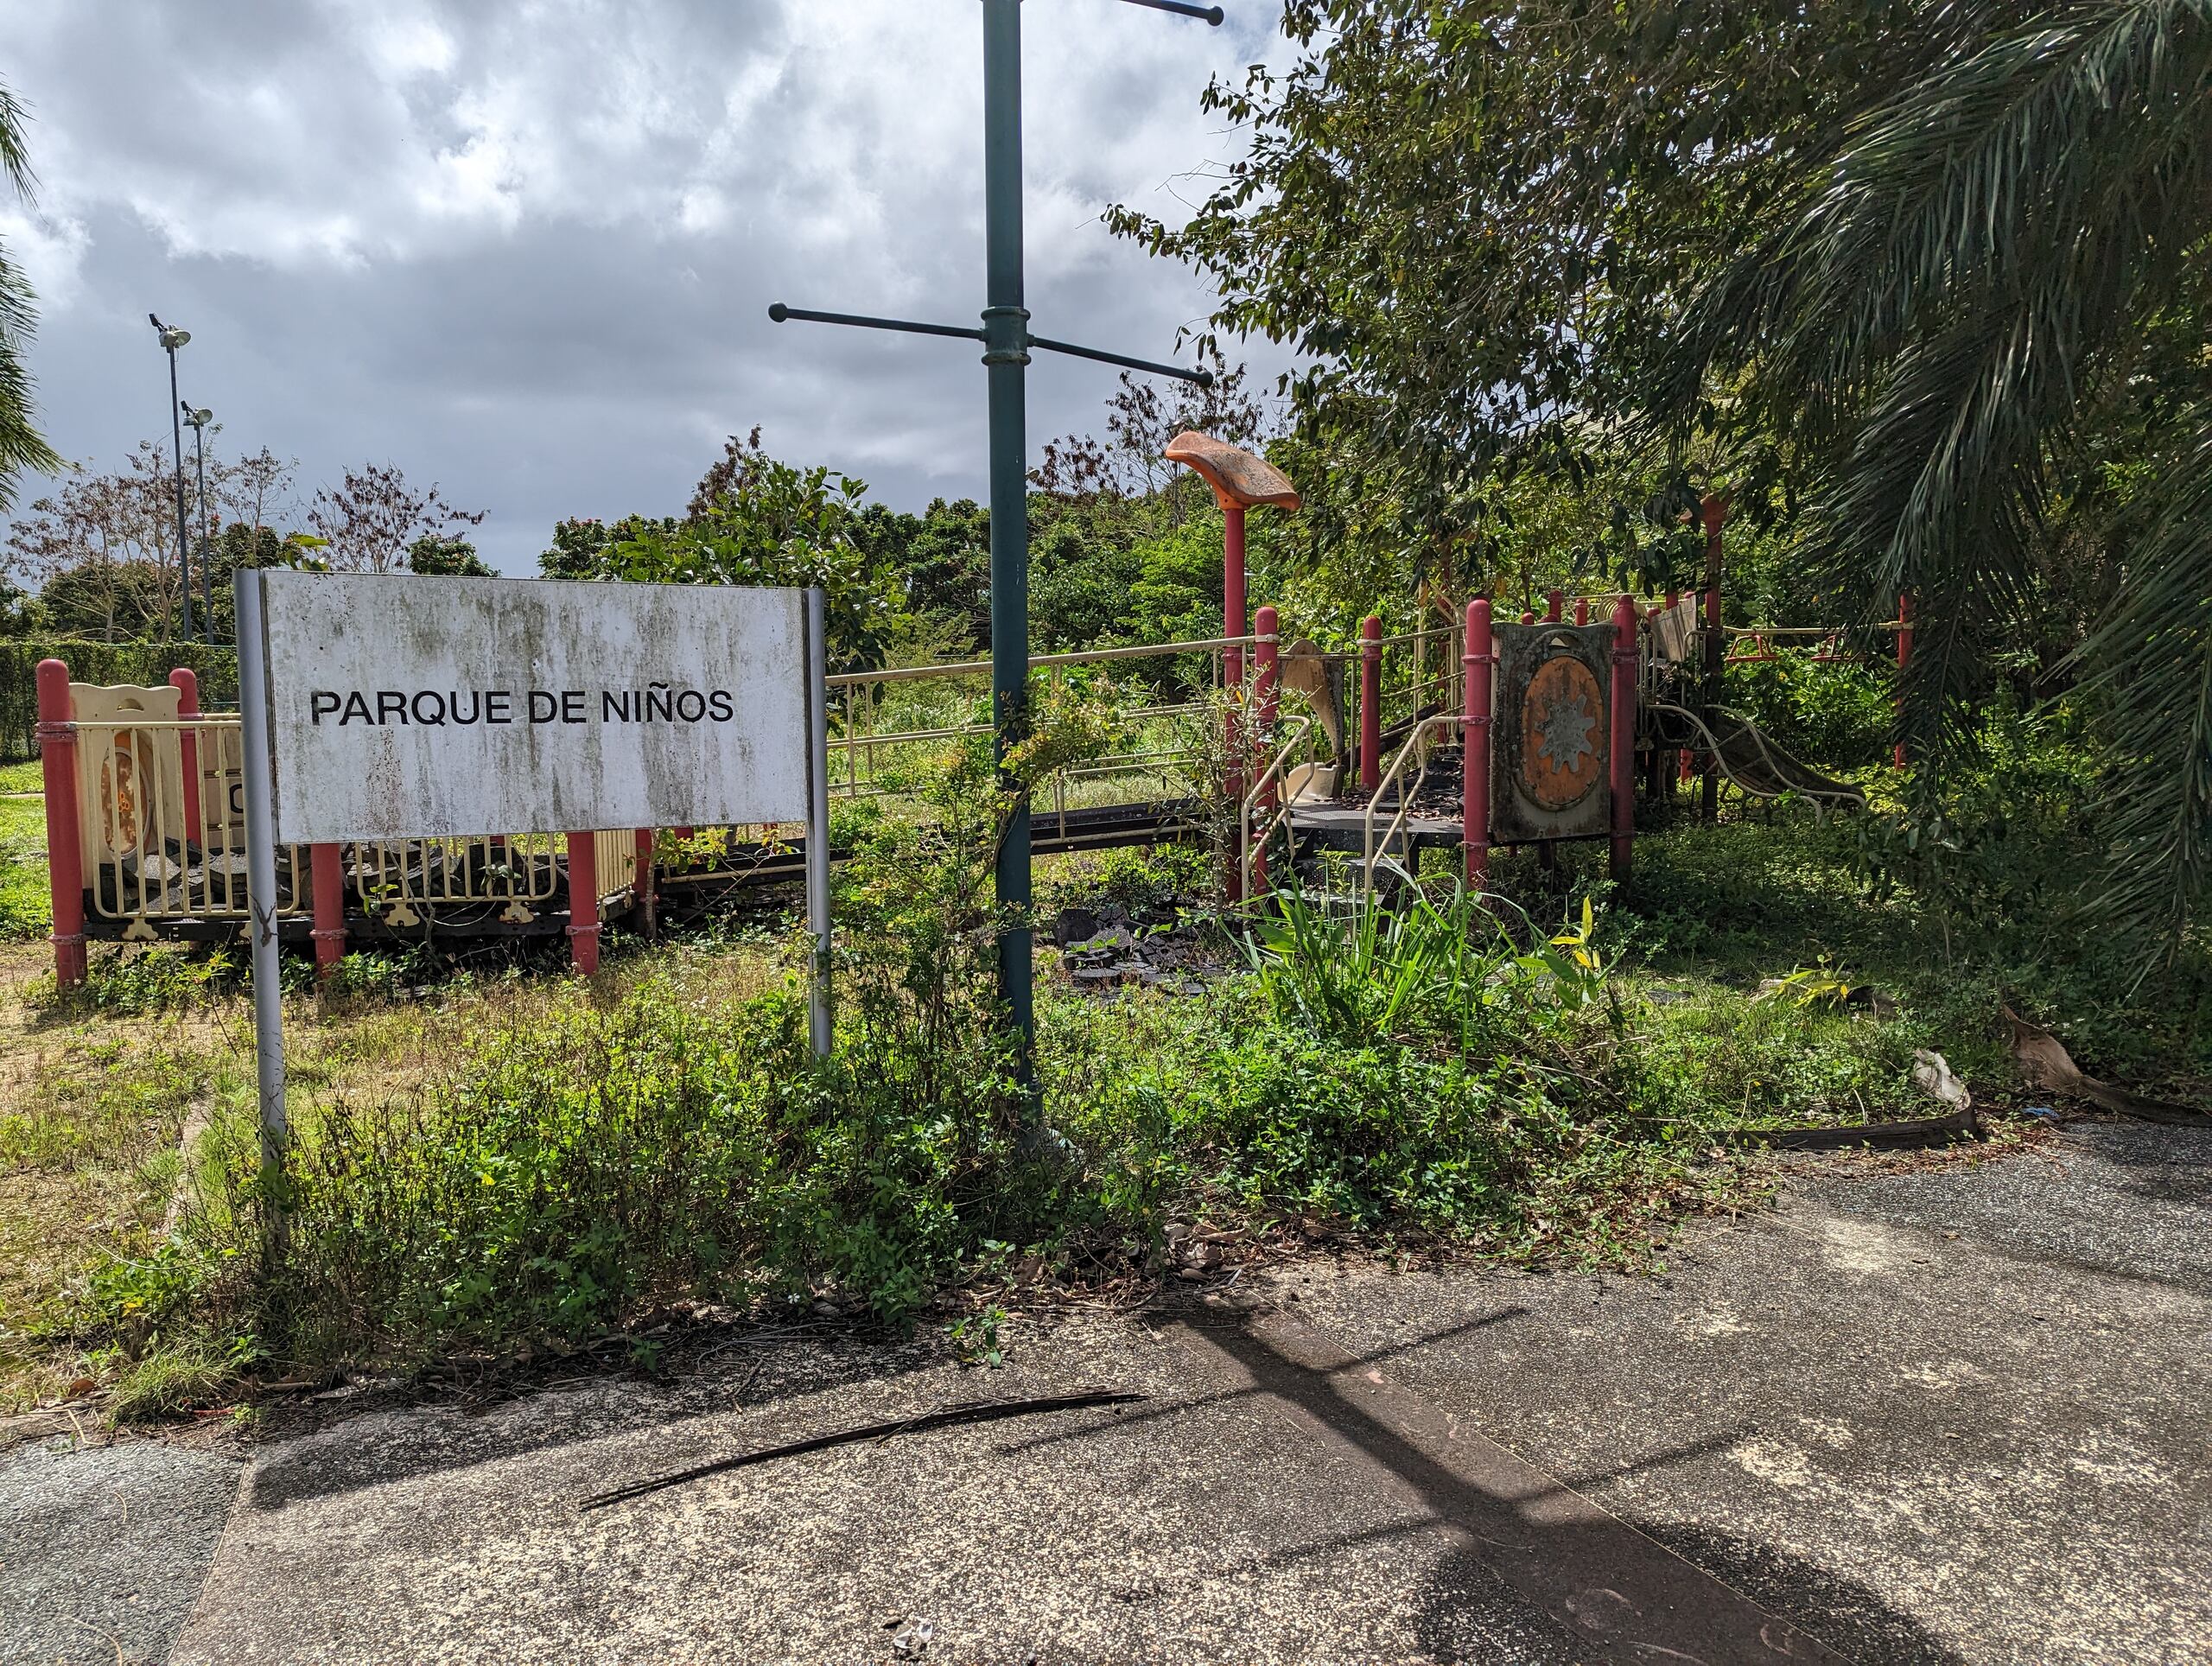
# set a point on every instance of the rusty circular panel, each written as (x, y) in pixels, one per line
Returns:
(1562, 733)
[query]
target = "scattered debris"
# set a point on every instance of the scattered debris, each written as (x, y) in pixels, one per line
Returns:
(974, 1411)
(910, 1642)
(1877, 1136)
(1105, 949)
(1932, 1075)
(2047, 1065)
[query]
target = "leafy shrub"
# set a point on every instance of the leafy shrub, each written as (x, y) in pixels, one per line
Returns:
(1831, 715)
(1418, 968)
(128, 982)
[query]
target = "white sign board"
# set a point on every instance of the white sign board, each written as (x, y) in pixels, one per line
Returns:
(405, 707)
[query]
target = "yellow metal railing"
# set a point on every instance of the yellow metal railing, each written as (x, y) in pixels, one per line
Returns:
(875, 728)
(1415, 748)
(159, 848)
(1268, 786)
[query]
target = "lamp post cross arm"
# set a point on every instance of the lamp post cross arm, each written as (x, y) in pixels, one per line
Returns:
(781, 313)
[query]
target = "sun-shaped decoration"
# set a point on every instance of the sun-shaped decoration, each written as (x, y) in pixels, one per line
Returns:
(1560, 759)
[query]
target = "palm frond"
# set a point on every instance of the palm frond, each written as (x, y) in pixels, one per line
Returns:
(2149, 659)
(14, 154)
(1977, 258)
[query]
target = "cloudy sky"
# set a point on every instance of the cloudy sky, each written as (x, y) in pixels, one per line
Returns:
(526, 250)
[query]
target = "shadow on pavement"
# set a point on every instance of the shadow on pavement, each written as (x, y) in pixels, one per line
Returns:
(1625, 1593)
(1178, 1407)
(446, 1438)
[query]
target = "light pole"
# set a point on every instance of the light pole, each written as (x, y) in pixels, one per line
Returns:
(200, 419)
(1007, 340)
(172, 338)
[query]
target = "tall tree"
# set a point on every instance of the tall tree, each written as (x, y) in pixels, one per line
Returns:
(1129, 463)
(22, 448)
(2009, 255)
(373, 516)
(256, 489)
(752, 520)
(103, 548)
(1476, 222)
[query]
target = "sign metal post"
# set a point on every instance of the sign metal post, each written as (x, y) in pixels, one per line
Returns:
(261, 864)
(818, 824)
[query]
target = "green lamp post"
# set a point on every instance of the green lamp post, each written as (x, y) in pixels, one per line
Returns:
(1006, 342)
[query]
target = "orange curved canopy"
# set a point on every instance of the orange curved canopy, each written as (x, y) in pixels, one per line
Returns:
(1237, 477)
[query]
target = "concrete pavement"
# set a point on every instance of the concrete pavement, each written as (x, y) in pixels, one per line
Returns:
(1915, 1416)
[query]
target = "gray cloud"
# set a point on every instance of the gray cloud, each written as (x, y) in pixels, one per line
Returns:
(526, 250)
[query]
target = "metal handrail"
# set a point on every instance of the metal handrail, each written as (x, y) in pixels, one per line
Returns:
(1278, 766)
(1405, 799)
(1088, 656)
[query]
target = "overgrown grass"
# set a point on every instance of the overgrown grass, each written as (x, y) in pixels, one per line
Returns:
(95, 1089)
(1730, 906)
(91, 1106)
(25, 909)
(586, 1165)
(508, 1162)
(27, 776)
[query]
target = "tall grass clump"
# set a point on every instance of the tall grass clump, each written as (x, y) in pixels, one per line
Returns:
(1423, 1067)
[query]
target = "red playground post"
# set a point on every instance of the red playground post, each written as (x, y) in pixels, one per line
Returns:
(187, 685)
(1715, 511)
(1582, 610)
(1266, 701)
(1554, 602)
(1621, 760)
(326, 878)
(57, 751)
(1904, 659)
(1371, 703)
(584, 904)
(1232, 618)
(1474, 745)
(1232, 579)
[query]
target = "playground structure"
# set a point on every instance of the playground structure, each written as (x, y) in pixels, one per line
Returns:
(1483, 733)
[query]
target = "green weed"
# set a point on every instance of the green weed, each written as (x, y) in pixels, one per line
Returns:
(171, 1380)
(131, 982)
